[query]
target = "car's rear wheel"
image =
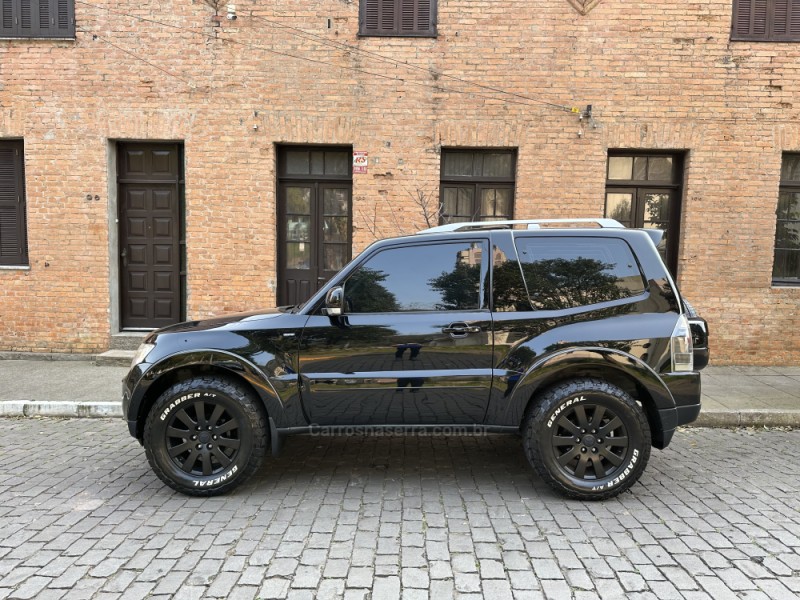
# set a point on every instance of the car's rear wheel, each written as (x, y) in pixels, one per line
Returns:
(587, 438)
(205, 436)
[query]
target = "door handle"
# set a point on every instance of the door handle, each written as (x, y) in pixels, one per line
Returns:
(460, 329)
(124, 255)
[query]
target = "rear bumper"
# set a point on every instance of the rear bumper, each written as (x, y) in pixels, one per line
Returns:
(685, 389)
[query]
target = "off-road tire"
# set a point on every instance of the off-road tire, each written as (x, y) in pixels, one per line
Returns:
(208, 454)
(559, 443)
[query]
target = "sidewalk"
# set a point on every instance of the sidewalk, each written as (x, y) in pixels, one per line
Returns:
(732, 396)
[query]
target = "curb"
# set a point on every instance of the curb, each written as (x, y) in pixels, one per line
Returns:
(748, 418)
(46, 356)
(713, 419)
(32, 408)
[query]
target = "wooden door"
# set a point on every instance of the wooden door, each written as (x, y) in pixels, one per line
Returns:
(150, 207)
(314, 219)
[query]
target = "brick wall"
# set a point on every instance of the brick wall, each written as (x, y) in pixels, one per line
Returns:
(660, 75)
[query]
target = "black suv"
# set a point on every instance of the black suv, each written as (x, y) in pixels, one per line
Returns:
(577, 339)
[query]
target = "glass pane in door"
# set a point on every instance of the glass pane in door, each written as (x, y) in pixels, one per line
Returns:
(619, 206)
(298, 201)
(334, 257)
(298, 228)
(335, 201)
(335, 228)
(656, 207)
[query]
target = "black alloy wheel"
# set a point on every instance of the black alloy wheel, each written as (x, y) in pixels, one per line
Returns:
(589, 441)
(206, 435)
(587, 438)
(201, 445)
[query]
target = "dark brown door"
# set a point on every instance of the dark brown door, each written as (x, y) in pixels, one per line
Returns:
(645, 191)
(314, 219)
(150, 204)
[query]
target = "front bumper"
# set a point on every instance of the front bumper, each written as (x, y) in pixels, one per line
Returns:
(132, 394)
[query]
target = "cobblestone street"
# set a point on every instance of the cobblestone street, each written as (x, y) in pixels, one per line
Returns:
(716, 515)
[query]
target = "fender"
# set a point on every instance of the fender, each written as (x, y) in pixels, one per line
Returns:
(275, 393)
(591, 361)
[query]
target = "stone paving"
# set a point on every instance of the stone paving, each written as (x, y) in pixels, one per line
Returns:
(716, 516)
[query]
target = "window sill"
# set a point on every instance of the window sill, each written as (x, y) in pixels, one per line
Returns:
(762, 40)
(15, 268)
(398, 35)
(783, 285)
(46, 39)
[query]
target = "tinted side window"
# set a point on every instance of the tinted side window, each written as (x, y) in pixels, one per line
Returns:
(434, 277)
(566, 272)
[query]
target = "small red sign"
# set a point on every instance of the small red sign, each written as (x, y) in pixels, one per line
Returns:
(360, 162)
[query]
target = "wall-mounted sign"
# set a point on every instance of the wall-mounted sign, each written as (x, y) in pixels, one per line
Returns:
(360, 162)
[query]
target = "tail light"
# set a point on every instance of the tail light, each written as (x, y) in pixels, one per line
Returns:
(681, 346)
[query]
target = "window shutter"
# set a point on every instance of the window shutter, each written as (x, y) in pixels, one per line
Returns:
(6, 18)
(787, 19)
(387, 22)
(415, 16)
(13, 246)
(56, 18)
(64, 10)
(397, 17)
(37, 18)
(408, 16)
(750, 18)
(379, 16)
(794, 19)
(766, 20)
(371, 16)
(44, 15)
(424, 16)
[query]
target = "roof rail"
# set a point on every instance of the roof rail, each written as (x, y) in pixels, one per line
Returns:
(530, 223)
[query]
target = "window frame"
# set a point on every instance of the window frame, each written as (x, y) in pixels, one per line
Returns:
(790, 186)
(478, 183)
(22, 259)
(397, 31)
(36, 32)
(769, 33)
(675, 185)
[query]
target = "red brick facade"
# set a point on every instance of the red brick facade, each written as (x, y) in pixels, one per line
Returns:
(660, 75)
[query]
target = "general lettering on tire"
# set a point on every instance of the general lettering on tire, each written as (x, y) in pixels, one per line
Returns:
(217, 480)
(566, 404)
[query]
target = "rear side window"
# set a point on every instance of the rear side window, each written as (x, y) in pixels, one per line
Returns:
(568, 272)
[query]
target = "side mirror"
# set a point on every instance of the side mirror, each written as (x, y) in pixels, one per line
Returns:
(334, 300)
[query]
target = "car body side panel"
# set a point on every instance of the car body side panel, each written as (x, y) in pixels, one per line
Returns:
(396, 369)
(263, 352)
(589, 362)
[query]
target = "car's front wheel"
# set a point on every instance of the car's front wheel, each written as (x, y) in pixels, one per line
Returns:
(587, 438)
(206, 435)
